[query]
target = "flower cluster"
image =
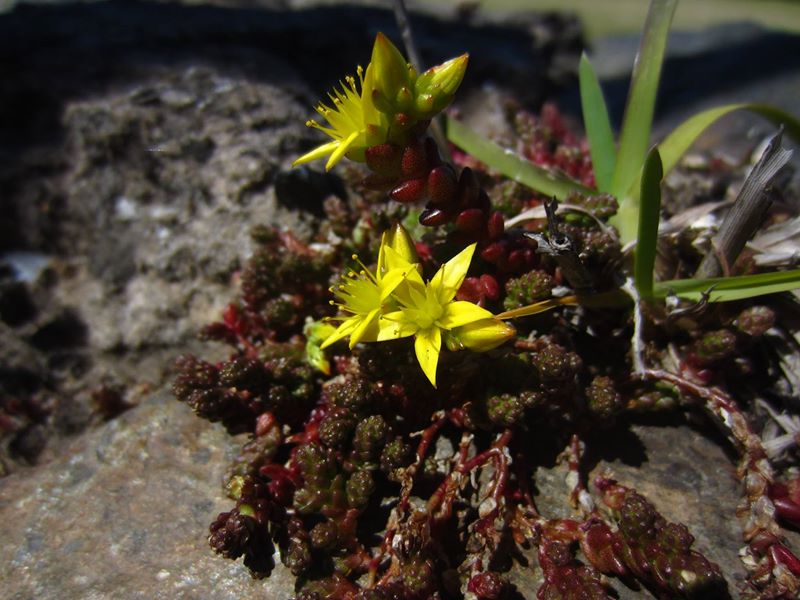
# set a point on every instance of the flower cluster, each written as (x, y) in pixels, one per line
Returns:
(395, 302)
(388, 102)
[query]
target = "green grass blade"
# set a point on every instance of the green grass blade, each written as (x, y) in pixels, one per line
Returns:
(649, 216)
(682, 137)
(638, 120)
(598, 125)
(727, 289)
(511, 164)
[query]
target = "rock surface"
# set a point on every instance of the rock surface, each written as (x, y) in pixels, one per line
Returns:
(124, 511)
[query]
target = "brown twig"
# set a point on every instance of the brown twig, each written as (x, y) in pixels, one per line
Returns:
(747, 212)
(560, 246)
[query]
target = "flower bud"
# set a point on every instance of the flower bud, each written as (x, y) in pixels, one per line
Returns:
(391, 69)
(399, 240)
(440, 83)
(480, 336)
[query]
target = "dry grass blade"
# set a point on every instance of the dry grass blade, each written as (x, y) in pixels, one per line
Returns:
(747, 212)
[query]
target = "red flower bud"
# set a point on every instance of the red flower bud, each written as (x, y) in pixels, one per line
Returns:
(380, 183)
(780, 554)
(516, 260)
(496, 225)
(490, 286)
(468, 189)
(787, 510)
(494, 252)
(432, 152)
(434, 217)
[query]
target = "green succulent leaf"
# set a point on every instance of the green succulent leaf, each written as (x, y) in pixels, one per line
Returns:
(598, 125)
(511, 164)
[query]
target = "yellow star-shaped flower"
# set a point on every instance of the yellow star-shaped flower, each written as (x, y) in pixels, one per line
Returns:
(428, 310)
(354, 122)
(365, 296)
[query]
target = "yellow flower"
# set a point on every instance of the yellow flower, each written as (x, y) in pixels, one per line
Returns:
(366, 296)
(427, 310)
(355, 123)
(389, 88)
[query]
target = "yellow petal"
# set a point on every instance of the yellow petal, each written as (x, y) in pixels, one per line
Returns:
(428, 345)
(393, 259)
(389, 281)
(451, 275)
(339, 152)
(344, 329)
(460, 313)
(316, 153)
(390, 67)
(366, 330)
(400, 241)
(393, 326)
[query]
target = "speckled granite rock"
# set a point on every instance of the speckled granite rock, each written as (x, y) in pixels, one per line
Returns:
(122, 513)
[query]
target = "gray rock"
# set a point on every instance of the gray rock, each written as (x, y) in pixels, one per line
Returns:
(123, 513)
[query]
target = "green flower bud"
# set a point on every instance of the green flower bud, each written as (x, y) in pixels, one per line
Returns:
(404, 100)
(391, 69)
(441, 82)
(234, 487)
(399, 240)
(479, 336)
(317, 332)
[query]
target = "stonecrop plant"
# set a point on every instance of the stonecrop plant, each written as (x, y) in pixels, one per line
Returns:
(398, 408)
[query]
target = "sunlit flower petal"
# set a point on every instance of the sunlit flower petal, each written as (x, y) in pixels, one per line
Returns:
(367, 329)
(355, 123)
(393, 326)
(363, 296)
(341, 332)
(460, 313)
(451, 275)
(395, 302)
(427, 346)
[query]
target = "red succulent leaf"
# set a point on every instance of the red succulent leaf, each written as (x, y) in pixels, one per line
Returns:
(410, 191)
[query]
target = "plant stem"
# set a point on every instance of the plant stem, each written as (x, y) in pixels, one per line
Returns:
(404, 25)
